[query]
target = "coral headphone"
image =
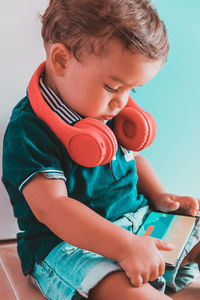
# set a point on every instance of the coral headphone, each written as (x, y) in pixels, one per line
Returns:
(90, 142)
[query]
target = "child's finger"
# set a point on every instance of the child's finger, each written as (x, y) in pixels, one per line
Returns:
(162, 245)
(195, 207)
(137, 281)
(193, 212)
(171, 205)
(191, 202)
(196, 204)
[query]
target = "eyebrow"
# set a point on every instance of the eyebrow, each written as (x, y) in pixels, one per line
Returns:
(117, 79)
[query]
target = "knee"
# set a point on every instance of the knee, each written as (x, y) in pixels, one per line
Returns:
(116, 286)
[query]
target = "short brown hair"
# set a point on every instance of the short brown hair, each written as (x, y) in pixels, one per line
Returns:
(90, 24)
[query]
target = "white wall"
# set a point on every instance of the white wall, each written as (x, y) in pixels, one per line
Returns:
(21, 48)
(21, 51)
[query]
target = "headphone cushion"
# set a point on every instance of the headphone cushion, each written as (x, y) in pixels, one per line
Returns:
(132, 128)
(94, 144)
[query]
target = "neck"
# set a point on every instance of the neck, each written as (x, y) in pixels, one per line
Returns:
(49, 79)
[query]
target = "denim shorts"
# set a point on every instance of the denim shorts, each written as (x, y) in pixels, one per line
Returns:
(68, 273)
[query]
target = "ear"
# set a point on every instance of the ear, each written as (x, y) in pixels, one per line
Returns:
(59, 58)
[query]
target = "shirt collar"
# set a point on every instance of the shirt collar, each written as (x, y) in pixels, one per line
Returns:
(65, 112)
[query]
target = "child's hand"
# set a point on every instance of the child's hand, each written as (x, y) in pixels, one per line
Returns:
(181, 204)
(141, 259)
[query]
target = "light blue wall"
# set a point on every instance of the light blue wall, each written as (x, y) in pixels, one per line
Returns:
(173, 97)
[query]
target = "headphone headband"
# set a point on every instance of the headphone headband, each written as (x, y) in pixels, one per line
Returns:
(90, 142)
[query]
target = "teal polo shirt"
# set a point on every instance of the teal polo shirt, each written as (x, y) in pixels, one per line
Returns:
(30, 147)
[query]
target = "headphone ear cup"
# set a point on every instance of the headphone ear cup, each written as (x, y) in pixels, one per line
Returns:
(133, 129)
(94, 144)
(89, 142)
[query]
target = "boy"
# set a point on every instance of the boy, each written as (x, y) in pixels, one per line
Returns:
(76, 237)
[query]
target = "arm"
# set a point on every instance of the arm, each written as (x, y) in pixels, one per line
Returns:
(151, 187)
(78, 225)
(71, 220)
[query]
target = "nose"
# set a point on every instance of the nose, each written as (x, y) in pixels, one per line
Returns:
(118, 101)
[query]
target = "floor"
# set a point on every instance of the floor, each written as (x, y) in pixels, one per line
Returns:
(14, 286)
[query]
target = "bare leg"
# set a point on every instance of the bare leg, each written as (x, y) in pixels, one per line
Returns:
(116, 286)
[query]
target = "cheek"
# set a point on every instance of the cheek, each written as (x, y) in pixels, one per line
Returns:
(94, 97)
(95, 106)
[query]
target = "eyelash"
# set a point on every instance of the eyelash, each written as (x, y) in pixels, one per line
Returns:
(110, 90)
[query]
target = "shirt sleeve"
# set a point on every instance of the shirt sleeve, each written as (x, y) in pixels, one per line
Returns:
(30, 148)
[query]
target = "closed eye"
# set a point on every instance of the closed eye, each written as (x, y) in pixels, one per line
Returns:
(109, 89)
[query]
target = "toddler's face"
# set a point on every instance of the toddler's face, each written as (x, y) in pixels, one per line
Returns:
(99, 87)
